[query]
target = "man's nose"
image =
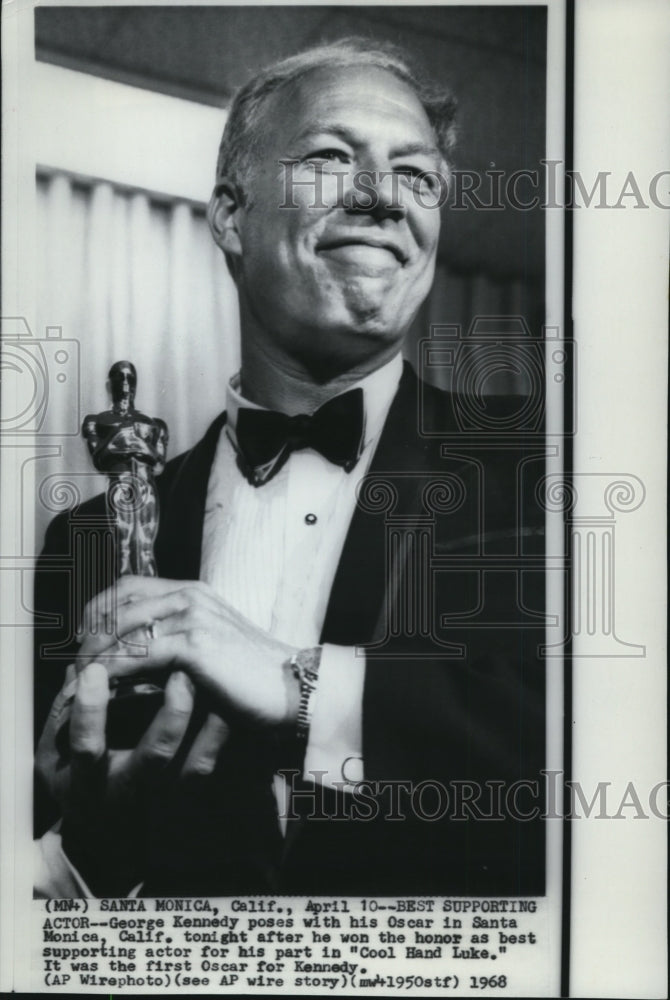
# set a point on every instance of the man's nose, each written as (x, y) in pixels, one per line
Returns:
(375, 190)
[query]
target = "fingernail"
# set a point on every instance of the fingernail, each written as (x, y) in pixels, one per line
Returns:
(182, 678)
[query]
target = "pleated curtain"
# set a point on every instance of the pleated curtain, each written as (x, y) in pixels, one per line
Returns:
(131, 276)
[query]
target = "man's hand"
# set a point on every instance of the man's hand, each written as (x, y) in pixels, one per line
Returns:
(99, 790)
(246, 672)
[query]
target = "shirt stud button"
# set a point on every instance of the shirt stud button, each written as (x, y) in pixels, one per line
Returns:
(310, 519)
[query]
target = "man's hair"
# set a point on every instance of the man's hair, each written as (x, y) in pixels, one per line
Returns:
(244, 127)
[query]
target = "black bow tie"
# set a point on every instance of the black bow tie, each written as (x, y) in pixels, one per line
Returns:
(265, 438)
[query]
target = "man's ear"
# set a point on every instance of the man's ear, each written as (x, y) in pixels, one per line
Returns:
(223, 218)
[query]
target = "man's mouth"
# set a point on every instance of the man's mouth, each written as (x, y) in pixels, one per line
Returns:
(360, 244)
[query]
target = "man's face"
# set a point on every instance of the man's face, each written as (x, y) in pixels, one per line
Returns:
(335, 281)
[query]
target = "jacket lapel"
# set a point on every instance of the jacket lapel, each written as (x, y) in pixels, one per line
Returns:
(183, 493)
(360, 582)
(394, 493)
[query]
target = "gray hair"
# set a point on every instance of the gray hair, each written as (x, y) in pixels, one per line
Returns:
(239, 143)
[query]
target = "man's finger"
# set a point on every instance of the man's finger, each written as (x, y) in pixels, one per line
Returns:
(138, 653)
(88, 720)
(206, 746)
(162, 739)
(99, 615)
(135, 588)
(47, 756)
(88, 717)
(132, 617)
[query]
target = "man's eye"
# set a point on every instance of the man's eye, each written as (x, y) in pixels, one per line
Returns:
(417, 174)
(324, 156)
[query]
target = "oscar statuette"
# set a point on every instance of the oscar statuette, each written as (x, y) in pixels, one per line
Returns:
(130, 448)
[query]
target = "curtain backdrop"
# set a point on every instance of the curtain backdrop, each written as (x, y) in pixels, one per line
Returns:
(133, 276)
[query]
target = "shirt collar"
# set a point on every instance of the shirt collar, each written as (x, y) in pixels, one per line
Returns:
(379, 388)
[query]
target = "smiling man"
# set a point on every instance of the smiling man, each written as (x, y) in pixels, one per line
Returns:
(342, 268)
(318, 714)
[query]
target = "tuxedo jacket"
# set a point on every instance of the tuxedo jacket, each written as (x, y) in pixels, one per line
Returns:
(440, 585)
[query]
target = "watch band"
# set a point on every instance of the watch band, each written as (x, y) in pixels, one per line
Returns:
(305, 666)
